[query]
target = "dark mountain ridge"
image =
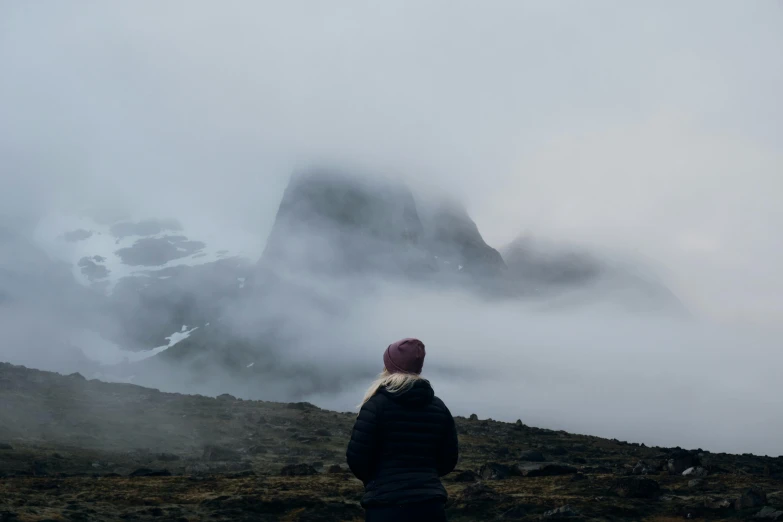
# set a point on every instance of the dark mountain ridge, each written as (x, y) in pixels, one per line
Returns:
(336, 223)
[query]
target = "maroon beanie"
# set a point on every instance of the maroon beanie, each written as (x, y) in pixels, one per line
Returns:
(406, 356)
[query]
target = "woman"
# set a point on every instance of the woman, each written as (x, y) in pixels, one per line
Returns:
(403, 441)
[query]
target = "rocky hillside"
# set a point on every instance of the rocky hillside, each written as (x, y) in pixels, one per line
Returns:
(77, 449)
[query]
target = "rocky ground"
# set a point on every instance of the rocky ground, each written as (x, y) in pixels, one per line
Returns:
(73, 449)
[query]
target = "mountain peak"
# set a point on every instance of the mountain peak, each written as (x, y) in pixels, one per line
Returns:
(343, 223)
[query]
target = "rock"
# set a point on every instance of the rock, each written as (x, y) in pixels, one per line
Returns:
(473, 417)
(636, 487)
(549, 470)
(681, 460)
(696, 483)
(146, 472)
(335, 468)
(466, 476)
(641, 468)
(495, 471)
(502, 452)
(5, 446)
(217, 453)
(697, 471)
(479, 492)
(226, 397)
(750, 498)
(561, 513)
(322, 432)
(298, 470)
(514, 513)
(716, 503)
(768, 513)
(300, 406)
(532, 456)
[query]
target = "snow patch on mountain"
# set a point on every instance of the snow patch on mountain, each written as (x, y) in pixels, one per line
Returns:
(107, 353)
(101, 254)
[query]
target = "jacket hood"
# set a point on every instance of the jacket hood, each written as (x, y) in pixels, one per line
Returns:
(420, 394)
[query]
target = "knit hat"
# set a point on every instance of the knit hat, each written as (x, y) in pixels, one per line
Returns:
(404, 356)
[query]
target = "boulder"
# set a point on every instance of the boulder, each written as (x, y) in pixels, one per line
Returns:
(697, 471)
(298, 470)
(466, 476)
(696, 483)
(515, 513)
(716, 503)
(751, 498)
(532, 456)
(681, 460)
(495, 471)
(479, 492)
(636, 487)
(768, 513)
(473, 417)
(302, 406)
(335, 468)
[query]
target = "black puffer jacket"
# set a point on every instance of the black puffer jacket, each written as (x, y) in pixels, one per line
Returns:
(401, 445)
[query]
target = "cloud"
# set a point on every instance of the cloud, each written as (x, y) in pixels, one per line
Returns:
(651, 132)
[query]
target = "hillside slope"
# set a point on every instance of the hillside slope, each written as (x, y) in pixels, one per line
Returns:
(73, 449)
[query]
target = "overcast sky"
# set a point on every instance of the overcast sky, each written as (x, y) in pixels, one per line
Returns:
(652, 128)
(647, 129)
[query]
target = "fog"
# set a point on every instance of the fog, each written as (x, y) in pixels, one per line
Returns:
(648, 133)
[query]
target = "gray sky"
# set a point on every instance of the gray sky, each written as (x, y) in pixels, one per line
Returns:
(651, 129)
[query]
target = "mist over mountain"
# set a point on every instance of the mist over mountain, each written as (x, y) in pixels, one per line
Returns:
(179, 313)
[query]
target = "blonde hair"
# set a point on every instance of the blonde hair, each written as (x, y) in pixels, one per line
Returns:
(394, 382)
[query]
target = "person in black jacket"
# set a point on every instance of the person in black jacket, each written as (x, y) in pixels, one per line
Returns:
(403, 441)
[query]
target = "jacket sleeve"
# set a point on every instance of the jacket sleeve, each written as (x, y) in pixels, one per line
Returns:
(449, 449)
(362, 448)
